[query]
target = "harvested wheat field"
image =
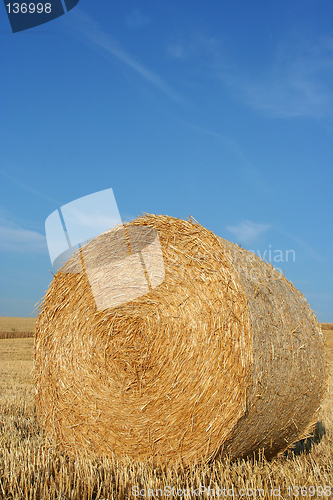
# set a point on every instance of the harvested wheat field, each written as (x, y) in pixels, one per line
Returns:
(31, 467)
(223, 357)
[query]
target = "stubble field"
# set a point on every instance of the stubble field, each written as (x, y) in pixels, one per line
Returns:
(32, 468)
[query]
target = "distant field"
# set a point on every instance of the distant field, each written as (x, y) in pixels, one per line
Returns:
(11, 324)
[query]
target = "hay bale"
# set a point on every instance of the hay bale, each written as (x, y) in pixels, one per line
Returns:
(223, 356)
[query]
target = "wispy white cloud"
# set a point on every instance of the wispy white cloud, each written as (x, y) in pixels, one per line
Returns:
(92, 31)
(14, 238)
(296, 84)
(136, 19)
(247, 231)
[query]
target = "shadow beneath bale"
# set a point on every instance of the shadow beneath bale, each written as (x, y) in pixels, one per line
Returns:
(306, 445)
(298, 448)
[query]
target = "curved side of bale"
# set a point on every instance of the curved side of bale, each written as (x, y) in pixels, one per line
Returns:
(164, 375)
(289, 373)
(224, 356)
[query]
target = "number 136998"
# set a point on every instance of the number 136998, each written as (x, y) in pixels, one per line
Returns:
(24, 8)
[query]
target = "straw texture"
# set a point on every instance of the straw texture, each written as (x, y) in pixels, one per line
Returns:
(220, 354)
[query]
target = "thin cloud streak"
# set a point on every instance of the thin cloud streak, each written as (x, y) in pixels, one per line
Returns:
(247, 170)
(311, 252)
(90, 29)
(28, 188)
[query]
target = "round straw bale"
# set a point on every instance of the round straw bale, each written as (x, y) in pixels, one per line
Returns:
(224, 355)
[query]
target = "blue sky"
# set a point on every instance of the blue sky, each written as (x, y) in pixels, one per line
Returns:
(222, 110)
